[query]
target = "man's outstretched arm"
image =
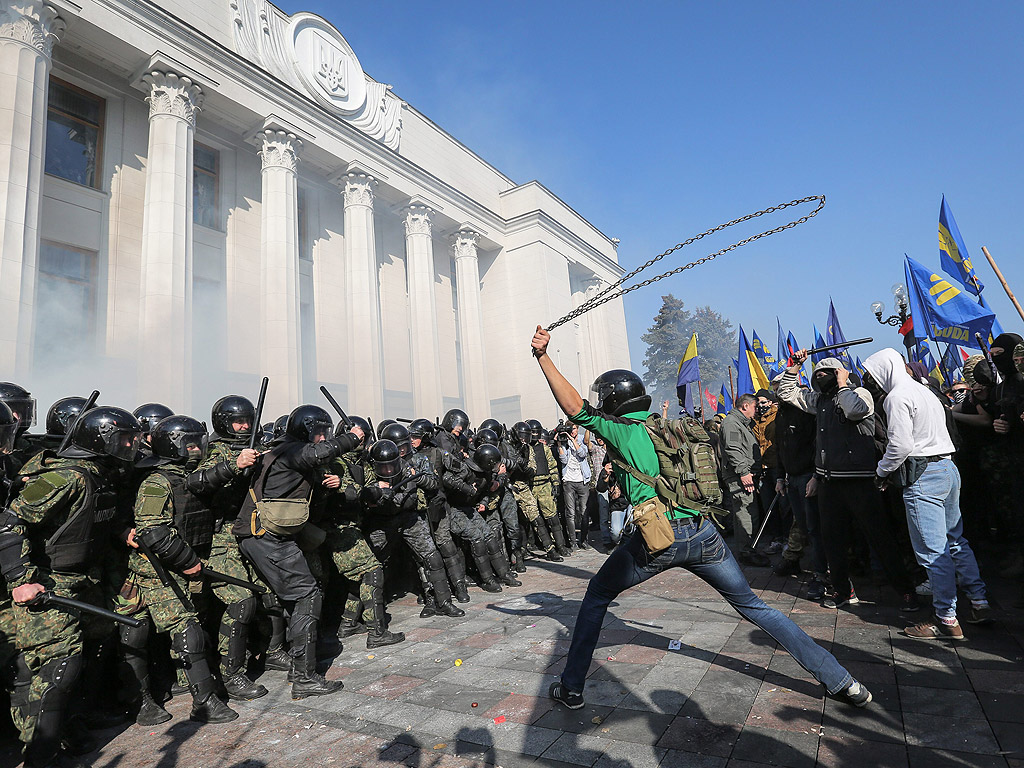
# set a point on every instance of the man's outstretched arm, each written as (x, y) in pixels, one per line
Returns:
(566, 396)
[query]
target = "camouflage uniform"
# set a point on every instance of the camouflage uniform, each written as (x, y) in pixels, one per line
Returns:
(542, 461)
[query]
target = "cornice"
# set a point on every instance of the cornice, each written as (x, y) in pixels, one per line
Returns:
(554, 227)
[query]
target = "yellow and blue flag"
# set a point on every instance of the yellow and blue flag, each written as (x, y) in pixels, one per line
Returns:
(750, 376)
(834, 334)
(724, 401)
(764, 355)
(953, 253)
(688, 373)
(941, 311)
(817, 357)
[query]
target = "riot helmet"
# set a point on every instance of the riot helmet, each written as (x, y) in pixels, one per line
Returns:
(485, 437)
(149, 415)
(8, 429)
(386, 460)
(422, 429)
(62, 414)
(21, 403)
(357, 421)
(280, 425)
(383, 424)
(522, 432)
(266, 434)
(455, 418)
(105, 431)
(399, 435)
(309, 424)
(619, 391)
(536, 428)
(495, 426)
(231, 410)
(487, 457)
(179, 439)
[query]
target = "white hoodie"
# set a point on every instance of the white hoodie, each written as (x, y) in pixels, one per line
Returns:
(916, 422)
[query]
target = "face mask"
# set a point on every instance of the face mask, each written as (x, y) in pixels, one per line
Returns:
(959, 396)
(826, 380)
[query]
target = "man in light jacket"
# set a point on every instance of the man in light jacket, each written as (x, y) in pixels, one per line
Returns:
(572, 456)
(919, 458)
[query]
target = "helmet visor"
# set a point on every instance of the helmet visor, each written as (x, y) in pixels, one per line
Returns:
(320, 430)
(7, 435)
(192, 445)
(24, 410)
(121, 443)
(387, 470)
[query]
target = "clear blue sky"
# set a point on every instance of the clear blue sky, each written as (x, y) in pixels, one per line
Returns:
(658, 120)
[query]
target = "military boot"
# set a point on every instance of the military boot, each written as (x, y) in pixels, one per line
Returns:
(151, 713)
(306, 681)
(496, 551)
(429, 606)
(206, 707)
(349, 627)
(379, 636)
(457, 571)
(277, 658)
(236, 683)
(482, 559)
(519, 561)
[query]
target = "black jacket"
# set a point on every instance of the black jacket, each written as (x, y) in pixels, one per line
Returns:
(794, 440)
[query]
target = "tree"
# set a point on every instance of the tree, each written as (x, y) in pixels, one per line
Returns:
(666, 342)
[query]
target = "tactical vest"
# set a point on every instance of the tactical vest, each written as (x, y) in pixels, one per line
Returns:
(71, 547)
(541, 458)
(193, 518)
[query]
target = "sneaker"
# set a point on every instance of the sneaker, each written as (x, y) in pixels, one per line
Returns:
(934, 629)
(815, 589)
(855, 695)
(788, 568)
(979, 614)
(774, 548)
(909, 603)
(924, 589)
(564, 696)
(836, 600)
(754, 558)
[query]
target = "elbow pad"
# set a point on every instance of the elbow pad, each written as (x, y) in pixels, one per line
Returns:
(211, 478)
(13, 564)
(169, 547)
(329, 449)
(371, 494)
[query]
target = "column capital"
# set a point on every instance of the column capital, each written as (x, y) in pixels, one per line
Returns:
(35, 24)
(358, 188)
(280, 149)
(173, 95)
(418, 219)
(464, 243)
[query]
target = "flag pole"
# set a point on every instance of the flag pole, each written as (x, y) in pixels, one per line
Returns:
(1002, 280)
(732, 391)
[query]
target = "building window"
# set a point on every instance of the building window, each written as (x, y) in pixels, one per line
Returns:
(65, 308)
(205, 162)
(74, 133)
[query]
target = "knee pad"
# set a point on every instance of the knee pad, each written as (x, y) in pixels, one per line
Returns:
(135, 638)
(62, 673)
(242, 611)
(448, 550)
(374, 578)
(190, 642)
(309, 606)
(433, 561)
(270, 603)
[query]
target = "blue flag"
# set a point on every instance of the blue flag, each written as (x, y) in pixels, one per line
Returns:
(687, 374)
(941, 311)
(724, 401)
(818, 342)
(750, 375)
(834, 334)
(764, 355)
(997, 329)
(953, 253)
(951, 363)
(782, 352)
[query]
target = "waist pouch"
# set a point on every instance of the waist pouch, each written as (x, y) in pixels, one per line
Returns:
(650, 519)
(285, 517)
(909, 472)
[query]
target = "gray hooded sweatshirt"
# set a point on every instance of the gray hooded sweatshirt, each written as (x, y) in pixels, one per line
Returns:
(915, 421)
(844, 445)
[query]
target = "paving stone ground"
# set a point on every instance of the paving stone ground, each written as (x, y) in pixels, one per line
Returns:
(472, 692)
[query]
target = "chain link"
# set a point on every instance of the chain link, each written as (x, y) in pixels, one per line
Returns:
(607, 294)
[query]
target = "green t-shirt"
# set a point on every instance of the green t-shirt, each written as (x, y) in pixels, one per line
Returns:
(627, 435)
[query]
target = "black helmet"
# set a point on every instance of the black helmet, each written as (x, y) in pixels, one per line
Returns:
(536, 429)
(487, 457)
(106, 431)
(618, 392)
(179, 438)
(266, 434)
(62, 414)
(8, 428)
(485, 437)
(522, 432)
(399, 435)
(357, 421)
(422, 428)
(21, 403)
(280, 425)
(308, 422)
(495, 426)
(382, 424)
(456, 417)
(386, 459)
(231, 409)
(148, 416)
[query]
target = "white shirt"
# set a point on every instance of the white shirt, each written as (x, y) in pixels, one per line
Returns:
(916, 420)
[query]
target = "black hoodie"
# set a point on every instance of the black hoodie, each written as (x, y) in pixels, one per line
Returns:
(1009, 394)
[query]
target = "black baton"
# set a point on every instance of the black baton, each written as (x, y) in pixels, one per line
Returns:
(212, 575)
(50, 599)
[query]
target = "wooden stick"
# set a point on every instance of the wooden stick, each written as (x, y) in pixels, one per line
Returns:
(732, 392)
(1002, 280)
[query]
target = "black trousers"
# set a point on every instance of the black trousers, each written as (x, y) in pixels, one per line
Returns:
(283, 567)
(856, 501)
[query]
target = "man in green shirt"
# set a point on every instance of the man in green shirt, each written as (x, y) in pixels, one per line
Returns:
(621, 405)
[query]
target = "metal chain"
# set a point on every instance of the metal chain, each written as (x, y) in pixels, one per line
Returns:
(606, 295)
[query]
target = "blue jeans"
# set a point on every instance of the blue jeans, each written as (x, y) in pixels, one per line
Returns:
(700, 549)
(937, 535)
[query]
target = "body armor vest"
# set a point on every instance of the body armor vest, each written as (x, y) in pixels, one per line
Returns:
(193, 518)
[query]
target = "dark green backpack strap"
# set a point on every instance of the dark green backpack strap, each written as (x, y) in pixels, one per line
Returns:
(624, 465)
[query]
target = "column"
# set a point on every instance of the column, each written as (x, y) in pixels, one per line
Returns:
(28, 31)
(365, 384)
(419, 268)
(165, 328)
(280, 337)
(597, 324)
(471, 328)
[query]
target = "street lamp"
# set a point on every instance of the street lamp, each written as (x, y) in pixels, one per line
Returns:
(902, 307)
